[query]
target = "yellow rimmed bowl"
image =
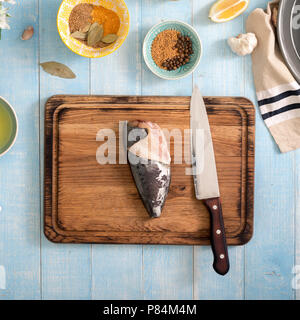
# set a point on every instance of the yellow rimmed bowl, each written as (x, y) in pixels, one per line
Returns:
(78, 47)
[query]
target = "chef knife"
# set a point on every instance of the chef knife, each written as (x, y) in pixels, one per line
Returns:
(206, 179)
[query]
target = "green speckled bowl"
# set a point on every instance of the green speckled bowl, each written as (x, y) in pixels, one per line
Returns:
(13, 126)
(183, 28)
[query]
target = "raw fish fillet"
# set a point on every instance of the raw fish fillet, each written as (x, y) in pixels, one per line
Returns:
(149, 160)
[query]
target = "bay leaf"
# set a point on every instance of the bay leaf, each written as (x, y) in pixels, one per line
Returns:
(80, 35)
(58, 69)
(95, 34)
(86, 28)
(102, 44)
(110, 38)
(94, 25)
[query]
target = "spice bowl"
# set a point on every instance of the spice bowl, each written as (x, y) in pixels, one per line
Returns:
(8, 126)
(64, 12)
(185, 30)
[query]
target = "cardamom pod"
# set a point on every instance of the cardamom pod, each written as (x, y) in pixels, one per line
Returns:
(58, 69)
(80, 35)
(95, 34)
(110, 38)
(102, 44)
(86, 28)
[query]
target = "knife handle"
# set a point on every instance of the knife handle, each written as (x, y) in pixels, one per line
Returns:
(218, 238)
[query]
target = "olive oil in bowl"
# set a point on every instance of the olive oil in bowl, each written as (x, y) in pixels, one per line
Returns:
(8, 126)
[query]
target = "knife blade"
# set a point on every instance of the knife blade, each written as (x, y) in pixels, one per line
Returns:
(206, 178)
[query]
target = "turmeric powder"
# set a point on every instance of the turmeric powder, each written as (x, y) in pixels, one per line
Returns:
(107, 18)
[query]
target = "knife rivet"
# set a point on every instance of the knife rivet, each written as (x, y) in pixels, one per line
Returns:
(218, 231)
(222, 256)
(215, 207)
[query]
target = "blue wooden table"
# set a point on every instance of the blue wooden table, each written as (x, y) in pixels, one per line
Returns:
(33, 268)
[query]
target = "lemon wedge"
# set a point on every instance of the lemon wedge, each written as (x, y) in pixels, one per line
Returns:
(226, 10)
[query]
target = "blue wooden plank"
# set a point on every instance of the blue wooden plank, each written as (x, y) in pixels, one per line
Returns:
(220, 73)
(2, 278)
(66, 269)
(117, 270)
(270, 255)
(19, 169)
(296, 267)
(167, 270)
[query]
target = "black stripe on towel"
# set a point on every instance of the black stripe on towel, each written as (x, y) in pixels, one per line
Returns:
(279, 97)
(281, 110)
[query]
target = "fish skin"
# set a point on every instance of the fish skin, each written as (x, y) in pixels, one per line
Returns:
(152, 177)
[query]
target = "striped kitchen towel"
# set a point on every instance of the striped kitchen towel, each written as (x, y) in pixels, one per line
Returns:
(278, 93)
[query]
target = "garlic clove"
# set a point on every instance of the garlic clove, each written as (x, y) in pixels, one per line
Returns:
(28, 33)
(243, 44)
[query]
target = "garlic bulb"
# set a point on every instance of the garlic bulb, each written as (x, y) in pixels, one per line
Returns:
(243, 44)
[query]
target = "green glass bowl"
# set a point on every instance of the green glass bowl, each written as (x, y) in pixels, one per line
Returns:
(14, 126)
(184, 29)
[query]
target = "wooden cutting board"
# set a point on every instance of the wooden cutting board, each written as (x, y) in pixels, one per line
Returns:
(90, 202)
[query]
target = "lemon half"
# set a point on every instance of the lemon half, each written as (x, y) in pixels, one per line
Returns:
(226, 10)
